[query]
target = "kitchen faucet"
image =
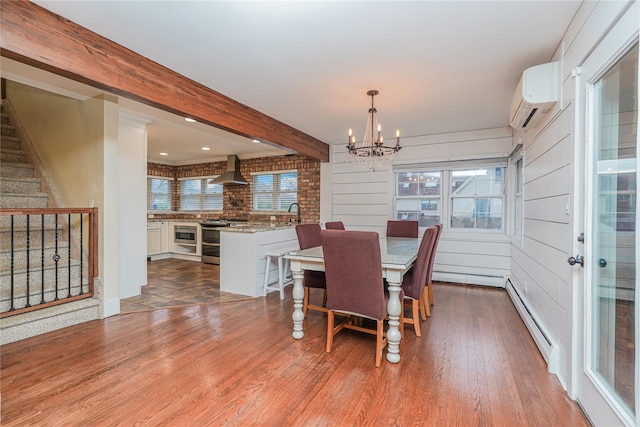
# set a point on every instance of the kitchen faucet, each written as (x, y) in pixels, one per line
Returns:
(298, 210)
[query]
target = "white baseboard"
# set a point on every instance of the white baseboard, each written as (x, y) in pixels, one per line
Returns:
(548, 348)
(186, 257)
(470, 279)
(111, 307)
(159, 256)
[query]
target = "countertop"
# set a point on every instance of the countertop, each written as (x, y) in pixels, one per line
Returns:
(236, 226)
(257, 227)
(196, 221)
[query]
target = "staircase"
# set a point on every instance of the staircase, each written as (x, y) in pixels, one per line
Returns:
(42, 259)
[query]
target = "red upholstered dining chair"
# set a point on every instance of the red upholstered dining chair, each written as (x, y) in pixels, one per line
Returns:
(413, 282)
(426, 299)
(309, 237)
(402, 229)
(355, 286)
(334, 225)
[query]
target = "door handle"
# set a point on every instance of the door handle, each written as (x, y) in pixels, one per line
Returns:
(602, 262)
(576, 260)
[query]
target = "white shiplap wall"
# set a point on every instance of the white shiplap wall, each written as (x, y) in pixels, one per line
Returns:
(364, 201)
(536, 264)
(552, 157)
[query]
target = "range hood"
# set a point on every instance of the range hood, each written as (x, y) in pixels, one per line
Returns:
(232, 175)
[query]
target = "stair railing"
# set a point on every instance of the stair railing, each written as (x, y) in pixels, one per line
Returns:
(48, 257)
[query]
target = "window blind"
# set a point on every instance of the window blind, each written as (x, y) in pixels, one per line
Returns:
(275, 191)
(200, 194)
(159, 192)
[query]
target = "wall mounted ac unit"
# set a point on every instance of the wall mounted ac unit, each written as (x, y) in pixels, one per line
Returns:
(535, 95)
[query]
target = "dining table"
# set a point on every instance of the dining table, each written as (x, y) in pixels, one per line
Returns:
(398, 256)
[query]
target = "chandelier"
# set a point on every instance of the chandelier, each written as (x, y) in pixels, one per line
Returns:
(372, 153)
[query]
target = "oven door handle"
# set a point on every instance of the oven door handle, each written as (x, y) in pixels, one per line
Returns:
(210, 244)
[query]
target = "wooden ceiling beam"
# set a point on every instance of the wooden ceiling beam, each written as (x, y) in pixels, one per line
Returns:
(35, 36)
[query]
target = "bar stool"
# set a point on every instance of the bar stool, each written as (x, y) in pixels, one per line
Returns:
(284, 265)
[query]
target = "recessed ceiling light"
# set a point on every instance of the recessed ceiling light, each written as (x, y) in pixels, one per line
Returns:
(205, 148)
(190, 120)
(257, 141)
(164, 154)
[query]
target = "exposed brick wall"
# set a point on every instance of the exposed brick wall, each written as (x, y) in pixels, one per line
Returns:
(237, 198)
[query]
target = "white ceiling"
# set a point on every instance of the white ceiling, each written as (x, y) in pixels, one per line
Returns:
(440, 66)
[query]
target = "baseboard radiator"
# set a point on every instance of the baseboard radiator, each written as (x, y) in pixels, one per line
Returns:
(548, 348)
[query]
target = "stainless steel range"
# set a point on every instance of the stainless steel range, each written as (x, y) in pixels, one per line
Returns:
(211, 240)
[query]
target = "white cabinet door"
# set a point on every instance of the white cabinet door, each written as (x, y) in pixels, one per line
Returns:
(154, 239)
(164, 229)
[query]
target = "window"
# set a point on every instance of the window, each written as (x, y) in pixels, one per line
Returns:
(519, 202)
(418, 197)
(275, 191)
(159, 191)
(476, 198)
(469, 198)
(200, 195)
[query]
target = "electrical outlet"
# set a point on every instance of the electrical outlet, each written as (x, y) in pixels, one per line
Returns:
(272, 218)
(198, 216)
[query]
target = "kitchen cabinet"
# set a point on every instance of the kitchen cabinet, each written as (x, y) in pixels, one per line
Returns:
(243, 255)
(158, 238)
(161, 241)
(183, 250)
(154, 238)
(164, 228)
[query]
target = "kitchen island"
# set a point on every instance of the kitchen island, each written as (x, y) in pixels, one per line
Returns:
(243, 249)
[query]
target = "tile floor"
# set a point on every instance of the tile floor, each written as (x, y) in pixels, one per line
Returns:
(175, 283)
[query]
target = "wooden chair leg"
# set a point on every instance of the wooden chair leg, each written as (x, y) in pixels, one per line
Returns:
(425, 310)
(416, 316)
(431, 300)
(379, 335)
(305, 301)
(324, 298)
(330, 320)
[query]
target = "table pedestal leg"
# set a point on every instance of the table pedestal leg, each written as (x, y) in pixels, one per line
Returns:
(298, 295)
(393, 334)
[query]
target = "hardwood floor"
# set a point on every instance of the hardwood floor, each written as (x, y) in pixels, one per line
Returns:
(236, 364)
(174, 282)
